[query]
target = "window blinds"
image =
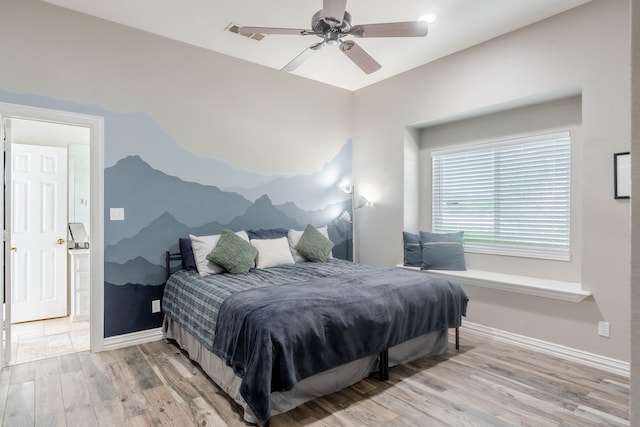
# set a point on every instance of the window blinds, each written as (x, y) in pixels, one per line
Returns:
(509, 198)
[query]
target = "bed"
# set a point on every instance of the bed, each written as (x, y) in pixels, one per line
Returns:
(277, 337)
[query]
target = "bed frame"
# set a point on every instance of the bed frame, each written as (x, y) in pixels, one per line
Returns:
(196, 352)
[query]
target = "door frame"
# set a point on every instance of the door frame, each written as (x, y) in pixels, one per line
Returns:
(96, 233)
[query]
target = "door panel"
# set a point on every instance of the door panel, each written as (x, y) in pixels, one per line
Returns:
(38, 232)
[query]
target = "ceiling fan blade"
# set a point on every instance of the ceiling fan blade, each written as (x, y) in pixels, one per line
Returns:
(361, 58)
(333, 11)
(391, 29)
(266, 30)
(298, 60)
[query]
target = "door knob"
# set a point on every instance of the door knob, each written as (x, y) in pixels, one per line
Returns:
(14, 249)
(61, 241)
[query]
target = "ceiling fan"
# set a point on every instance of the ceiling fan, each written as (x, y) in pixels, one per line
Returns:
(332, 24)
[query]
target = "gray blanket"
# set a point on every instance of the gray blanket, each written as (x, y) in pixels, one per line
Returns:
(275, 337)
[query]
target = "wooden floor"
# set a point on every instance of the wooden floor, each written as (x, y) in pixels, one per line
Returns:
(486, 383)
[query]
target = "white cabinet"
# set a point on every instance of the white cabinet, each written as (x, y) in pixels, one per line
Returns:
(80, 283)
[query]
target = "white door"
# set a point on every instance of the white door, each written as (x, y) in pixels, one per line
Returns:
(38, 232)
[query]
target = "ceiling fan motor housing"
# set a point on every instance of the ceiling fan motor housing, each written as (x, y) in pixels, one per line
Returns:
(322, 25)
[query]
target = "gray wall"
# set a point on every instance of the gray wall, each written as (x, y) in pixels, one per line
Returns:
(583, 51)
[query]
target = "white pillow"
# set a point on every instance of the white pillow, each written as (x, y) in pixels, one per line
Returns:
(202, 245)
(293, 236)
(272, 252)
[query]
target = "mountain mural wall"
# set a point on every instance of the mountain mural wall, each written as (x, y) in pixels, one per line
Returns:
(168, 192)
(160, 208)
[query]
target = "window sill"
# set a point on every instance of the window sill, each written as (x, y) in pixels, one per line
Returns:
(555, 289)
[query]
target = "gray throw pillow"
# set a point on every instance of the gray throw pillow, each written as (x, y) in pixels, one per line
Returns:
(412, 249)
(442, 251)
(313, 245)
(233, 253)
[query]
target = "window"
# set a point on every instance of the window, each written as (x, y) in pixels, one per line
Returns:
(509, 198)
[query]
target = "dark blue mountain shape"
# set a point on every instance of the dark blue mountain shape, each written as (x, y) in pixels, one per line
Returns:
(127, 308)
(309, 192)
(137, 270)
(145, 193)
(152, 241)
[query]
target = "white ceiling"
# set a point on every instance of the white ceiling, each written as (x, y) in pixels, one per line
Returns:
(460, 24)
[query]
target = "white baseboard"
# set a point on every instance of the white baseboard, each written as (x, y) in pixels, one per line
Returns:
(120, 341)
(589, 359)
(608, 364)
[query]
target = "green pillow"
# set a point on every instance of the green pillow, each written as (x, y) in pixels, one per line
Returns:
(313, 245)
(233, 253)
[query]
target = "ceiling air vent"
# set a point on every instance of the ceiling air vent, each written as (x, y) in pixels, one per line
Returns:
(235, 28)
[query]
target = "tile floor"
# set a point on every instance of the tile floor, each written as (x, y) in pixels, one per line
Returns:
(46, 338)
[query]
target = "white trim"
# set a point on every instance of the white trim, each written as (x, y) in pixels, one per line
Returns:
(134, 338)
(604, 363)
(96, 128)
(554, 289)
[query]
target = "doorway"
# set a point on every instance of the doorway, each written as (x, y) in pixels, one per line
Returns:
(49, 189)
(83, 325)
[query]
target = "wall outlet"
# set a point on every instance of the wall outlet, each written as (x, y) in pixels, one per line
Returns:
(155, 306)
(603, 329)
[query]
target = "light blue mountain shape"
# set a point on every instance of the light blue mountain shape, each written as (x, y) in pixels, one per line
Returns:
(316, 218)
(309, 192)
(138, 133)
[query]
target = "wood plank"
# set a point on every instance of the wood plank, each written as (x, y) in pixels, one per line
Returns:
(54, 420)
(20, 408)
(69, 363)
(172, 411)
(98, 382)
(203, 414)
(77, 403)
(48, 391)
(23, 372)
(5, 376)
(130, 395)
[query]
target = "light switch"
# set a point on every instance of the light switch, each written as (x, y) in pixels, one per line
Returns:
(116, 214)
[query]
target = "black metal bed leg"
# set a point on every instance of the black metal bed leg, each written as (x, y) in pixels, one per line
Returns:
(384, 365)
(457, 338)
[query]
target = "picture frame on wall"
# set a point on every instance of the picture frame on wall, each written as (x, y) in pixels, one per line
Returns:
(622, 175)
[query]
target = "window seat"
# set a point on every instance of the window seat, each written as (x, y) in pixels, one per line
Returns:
(565, 291)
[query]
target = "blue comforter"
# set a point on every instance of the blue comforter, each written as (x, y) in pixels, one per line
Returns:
(276, 336)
